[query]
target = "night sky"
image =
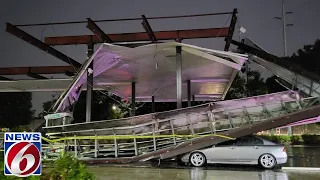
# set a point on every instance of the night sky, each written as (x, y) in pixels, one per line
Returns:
(256, 16)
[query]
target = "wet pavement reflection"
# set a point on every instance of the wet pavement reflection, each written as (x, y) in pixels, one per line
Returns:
(303, 157)
(135, 173)
(297, 157)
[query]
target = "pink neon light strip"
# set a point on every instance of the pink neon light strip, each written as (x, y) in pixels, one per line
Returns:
(303, 122)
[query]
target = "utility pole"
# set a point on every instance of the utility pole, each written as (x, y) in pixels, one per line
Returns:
(284, 25)
(284, 30)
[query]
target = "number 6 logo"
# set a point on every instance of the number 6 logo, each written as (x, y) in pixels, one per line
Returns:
(22, 159)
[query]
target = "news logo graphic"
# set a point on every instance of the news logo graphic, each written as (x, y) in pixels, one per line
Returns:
(22, 154)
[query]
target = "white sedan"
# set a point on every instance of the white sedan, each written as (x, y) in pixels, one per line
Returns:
(244, 150)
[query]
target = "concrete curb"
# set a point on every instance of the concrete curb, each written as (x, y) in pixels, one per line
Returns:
(301, 169)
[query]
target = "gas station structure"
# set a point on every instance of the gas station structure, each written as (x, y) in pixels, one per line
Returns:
(140, 67)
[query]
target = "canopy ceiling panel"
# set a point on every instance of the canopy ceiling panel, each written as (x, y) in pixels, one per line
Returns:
(152, 67)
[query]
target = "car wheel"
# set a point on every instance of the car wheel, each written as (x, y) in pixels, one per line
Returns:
(267, 161)
(197, 159)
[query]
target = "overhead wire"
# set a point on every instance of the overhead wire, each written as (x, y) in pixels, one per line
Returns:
(126, 19)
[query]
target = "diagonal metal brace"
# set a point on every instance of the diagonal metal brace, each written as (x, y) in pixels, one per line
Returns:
(98, 32)
(148, 29)
(39, 44)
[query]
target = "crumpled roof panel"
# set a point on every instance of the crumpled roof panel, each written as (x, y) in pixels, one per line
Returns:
(153, 69)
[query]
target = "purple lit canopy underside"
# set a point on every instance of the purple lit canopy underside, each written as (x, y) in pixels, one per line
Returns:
(153, 68)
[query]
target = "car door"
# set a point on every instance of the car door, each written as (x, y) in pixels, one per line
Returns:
(249, 149)
(222, 153)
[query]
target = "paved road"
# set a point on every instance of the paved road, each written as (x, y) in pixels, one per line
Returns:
(225, 173)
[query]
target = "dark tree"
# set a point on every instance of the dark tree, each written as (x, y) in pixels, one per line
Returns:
(273, 85)
(308, 57)
(101, 107)
(145, 108)
(48, 105)
(245, 85)
(15, 109)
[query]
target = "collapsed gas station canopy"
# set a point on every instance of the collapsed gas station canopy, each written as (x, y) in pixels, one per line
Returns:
(153, 69)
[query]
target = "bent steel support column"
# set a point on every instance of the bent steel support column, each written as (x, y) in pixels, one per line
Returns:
(189, 92)
(178, 76)
(133, 99)
(89, 84)
(233, 23)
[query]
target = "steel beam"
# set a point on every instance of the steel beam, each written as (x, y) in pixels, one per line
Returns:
(98, 32)
(189, 92)
(133, 99)
(39, 44)
(89, 84)
(178, 76)
(233, 23)
(148, 29)
(141, 36)
(36, 76)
